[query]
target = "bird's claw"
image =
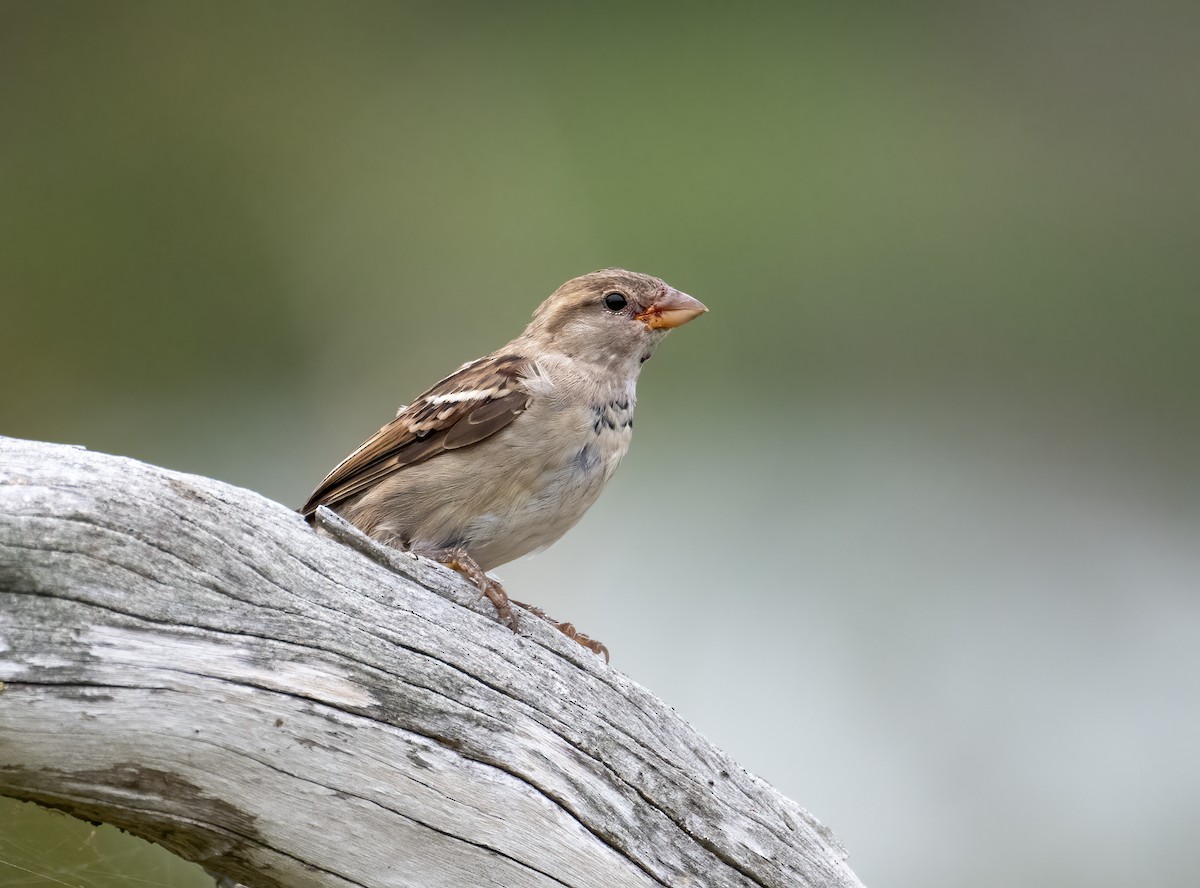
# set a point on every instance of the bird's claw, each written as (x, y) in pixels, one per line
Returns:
(567, 629)
(458, 560)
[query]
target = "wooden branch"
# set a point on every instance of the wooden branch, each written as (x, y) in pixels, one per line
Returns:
(191, 662)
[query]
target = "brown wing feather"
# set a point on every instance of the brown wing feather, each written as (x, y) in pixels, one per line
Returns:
(485, 420)
(426, 428)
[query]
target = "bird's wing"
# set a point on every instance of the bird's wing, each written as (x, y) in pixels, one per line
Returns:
(473, 403)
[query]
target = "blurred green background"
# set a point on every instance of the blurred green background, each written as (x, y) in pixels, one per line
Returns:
(911, 525)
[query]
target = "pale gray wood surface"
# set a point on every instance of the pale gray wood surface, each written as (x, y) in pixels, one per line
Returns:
(191, 662)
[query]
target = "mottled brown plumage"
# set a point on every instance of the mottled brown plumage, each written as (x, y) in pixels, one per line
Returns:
(424, 429)
(504, 455)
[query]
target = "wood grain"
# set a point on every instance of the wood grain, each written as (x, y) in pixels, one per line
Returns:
(191, 662)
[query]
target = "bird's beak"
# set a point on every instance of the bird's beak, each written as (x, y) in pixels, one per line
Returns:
(671, 309)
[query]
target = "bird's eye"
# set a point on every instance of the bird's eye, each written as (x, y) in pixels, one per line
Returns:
(615, 301)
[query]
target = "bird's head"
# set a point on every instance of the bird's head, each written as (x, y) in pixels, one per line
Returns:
(611, 317)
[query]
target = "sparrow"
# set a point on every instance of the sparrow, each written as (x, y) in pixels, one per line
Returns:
(503, 456)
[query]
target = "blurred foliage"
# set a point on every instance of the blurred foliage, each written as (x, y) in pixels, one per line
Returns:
(198, 198)
(40, 848)
(233, 237)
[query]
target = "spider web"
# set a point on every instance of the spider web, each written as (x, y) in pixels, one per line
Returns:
(40, 848)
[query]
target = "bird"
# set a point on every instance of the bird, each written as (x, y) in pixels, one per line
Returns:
(504, 455)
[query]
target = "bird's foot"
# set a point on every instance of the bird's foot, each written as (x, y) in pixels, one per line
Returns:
(459, 560)
(567, 629)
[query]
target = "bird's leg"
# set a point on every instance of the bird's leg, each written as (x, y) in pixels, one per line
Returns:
(567, 629)
(457, 559)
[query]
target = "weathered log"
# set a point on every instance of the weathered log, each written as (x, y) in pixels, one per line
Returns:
(189, 661)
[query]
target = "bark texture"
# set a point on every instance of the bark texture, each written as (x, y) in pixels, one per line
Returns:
(189, 661)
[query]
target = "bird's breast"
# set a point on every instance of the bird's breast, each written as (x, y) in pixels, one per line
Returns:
(557, 479)
(611, 431)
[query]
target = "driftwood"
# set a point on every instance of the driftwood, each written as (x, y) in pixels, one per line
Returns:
(189, 661)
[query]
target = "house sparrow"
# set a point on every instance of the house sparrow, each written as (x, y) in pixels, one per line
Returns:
(503, 456)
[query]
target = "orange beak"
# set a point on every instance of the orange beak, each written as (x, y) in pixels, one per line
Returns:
(671, 309)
